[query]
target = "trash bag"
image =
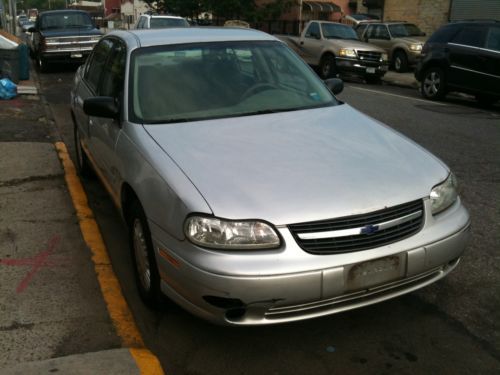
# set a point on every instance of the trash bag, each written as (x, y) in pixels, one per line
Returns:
(8, 89)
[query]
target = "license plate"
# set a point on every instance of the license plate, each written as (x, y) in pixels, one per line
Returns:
(370, 70)
(375, 272)
(76, 55)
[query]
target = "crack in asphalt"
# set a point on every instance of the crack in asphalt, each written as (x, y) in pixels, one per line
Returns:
(25, 180)
(15, 325)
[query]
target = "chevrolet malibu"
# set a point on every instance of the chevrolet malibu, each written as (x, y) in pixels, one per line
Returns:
(251, 194)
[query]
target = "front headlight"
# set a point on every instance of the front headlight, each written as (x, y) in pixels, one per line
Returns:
(218, 233)
(384, 57)
(444, 195)
(345, 52)
(416, 47)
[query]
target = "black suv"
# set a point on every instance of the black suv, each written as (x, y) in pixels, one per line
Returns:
(462, 56)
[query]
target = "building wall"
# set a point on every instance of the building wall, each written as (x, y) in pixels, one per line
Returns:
(429, 15)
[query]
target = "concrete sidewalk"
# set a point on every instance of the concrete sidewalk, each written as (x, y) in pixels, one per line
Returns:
(53, 317)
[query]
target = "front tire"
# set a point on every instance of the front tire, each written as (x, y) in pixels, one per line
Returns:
(400, 62)
(327, 66)
(82, 162)
(433, 85)
(147, 278)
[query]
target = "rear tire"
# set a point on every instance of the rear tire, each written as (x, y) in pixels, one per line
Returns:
(327, 67)
(433, 85)
(147, 277)
(400, 62)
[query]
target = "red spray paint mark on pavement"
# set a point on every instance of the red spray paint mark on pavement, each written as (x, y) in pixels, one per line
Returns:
(38, 261)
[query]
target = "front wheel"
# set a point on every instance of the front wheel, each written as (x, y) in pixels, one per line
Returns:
(145, 269)
(400, 62)
(327, 67)
(82, 162)
(433, 85)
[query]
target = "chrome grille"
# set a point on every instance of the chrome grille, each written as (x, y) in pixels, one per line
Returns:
(360, 232)
(369, 56)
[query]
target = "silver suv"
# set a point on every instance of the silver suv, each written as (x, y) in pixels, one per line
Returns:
(155, 21)
(403, 41)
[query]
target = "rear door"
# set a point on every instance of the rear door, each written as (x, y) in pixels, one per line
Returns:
(468, 58)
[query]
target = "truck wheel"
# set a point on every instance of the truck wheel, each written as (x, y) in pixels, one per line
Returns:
(400, 62)
(327, 67)
(433, 85)
(147, 277)
(41, 63)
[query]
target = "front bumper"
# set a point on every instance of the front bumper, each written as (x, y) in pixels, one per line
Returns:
(361, 68)
(66, 56)
(323, 285)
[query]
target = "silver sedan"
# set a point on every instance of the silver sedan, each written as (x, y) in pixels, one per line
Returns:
(252, 195)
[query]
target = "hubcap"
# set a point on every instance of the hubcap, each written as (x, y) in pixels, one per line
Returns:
(326, 68)
(141, 255)
(397, 63)
(432, 83)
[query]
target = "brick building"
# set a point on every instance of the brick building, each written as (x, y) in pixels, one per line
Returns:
(429, 15)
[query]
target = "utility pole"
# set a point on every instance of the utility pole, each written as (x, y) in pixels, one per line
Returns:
(13, 14)
(300, 17)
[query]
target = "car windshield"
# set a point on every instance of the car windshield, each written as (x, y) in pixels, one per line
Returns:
(337, 31)
(160, 23)
(191, 82)
(66, 21)
(404, 29)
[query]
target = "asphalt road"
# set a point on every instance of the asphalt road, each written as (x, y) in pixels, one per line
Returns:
(452, 326)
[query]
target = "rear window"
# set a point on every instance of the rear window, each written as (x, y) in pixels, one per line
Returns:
(160, 23)
(493, 39)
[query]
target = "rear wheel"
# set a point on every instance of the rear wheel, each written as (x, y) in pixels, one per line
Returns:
(433, 85)
(400, 62)
(327, 66)
(147, 277)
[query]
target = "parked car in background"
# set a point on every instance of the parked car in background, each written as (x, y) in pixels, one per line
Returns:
(63, 36)
(22, 19)
(236, 23)
(462, 56)
(27, 25)
(157, 21)
(335, 48)
(357, 18)
(403, 41)
(251, 194)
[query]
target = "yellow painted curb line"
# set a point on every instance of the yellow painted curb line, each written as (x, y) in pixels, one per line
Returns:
(118, 309)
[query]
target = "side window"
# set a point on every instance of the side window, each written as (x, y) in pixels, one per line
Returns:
(361, 28)
(444, 34)
(493, 39)
(313, 31)
(370, 33)
(96, 64)
(470, 36)
(114, 72)
(380, 32)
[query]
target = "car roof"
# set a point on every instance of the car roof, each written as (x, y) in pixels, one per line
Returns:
(181, 35)
(163, 16)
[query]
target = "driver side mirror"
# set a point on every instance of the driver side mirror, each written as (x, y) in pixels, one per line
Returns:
(336, 85)
(101, 106)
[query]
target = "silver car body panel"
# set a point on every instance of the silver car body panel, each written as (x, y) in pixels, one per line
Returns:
(284, 168)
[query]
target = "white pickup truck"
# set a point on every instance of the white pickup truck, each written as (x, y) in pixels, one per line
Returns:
(336, 49)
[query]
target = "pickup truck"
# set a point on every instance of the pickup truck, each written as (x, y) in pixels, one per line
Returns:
(335, 49)
(63, 36)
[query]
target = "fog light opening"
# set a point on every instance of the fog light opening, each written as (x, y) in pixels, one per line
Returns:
(236, 313)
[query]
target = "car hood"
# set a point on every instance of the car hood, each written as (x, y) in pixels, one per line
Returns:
(70, 32)
(355, 44)
(299, 166)
(414, 39)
